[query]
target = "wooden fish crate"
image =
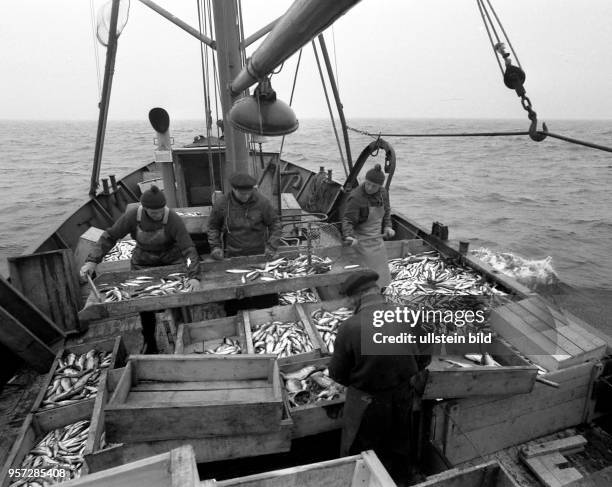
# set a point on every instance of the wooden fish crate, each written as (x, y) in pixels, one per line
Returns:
(548, 335)
(50, 281)
(201, 335)
(50, 415)
(284, 314)
(490, 474)
(188, 396)
(515, 376)
(207, 449)
(332, 305)
(363, 470)
(34, 428)
(175, 468)
(311, 419)
(216, 285)
(464, 429)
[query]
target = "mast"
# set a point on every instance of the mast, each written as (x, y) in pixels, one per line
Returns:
(111, 51)
(229, 65)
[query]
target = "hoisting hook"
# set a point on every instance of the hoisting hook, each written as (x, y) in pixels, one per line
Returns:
(534, 133)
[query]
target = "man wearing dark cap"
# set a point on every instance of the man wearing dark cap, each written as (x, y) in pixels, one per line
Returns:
(161, 239)
(245, 220)
(366, 219)
(378, 412)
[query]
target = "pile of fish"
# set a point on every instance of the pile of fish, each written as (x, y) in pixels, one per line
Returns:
(284, 268)
(76, 378)
(309, 385)
(229, 346)
(474, 359)
(121, 251)
(60, 449)
(189, 213)
(327, 323)
(300, 296)
(145, 287)
(428, 273)
(281, 338)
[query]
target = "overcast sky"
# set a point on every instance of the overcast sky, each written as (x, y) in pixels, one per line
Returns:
(395, 58)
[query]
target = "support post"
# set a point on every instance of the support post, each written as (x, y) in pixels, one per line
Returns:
(111, 52)
(230, 64)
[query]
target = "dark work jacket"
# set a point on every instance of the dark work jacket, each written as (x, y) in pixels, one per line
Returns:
(370, 373)
(248, 228)
(177, 248)
(357, 209)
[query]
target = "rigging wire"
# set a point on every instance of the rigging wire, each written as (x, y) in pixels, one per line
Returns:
(335, 58)
(95, 45)
(501, 26)
(565, 138)
(207, 114)
(214, 62)
(480, 8)
(329, 108)
(297, 67)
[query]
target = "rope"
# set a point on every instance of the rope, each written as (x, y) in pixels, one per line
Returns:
(297, 67)
(214, 62)
(501, 26)
(204, 76)
(95, 45)
(329, 109)
(579, 142)
(335, 58)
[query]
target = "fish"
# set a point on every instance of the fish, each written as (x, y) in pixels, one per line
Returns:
(281, 338)
(351, 266)
(238, 271)
(300, 374)
(310, 385)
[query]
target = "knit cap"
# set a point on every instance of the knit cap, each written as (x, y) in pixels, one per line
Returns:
(375, 175)
(153, 198)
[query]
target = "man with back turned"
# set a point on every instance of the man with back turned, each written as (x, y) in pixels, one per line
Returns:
(378, 412)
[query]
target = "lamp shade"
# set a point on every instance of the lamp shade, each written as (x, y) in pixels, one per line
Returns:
(263, 117)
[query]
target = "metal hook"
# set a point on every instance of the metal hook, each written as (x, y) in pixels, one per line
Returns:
(536, 135)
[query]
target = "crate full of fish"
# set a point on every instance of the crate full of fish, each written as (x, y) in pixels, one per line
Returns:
(283, 331)
(313, 399)
(144, 287)
(222, 336)
(288, 298)
(48, 450)
(326, 318)
(76, 375)
(175, 397)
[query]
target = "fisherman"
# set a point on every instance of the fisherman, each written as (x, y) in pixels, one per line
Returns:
(245, 219)
(161, 239)
(381, 389)
(366, 214)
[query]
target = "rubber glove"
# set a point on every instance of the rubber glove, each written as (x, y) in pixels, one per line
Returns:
(217, 253)
(389, 232)
(350, 242)
(87, 270)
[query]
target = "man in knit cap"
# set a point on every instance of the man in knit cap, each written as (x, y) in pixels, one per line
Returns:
(382, 383)
(366, 220)
(161, 239)
(245, 219)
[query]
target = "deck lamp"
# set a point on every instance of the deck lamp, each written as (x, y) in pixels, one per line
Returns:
(262, 113)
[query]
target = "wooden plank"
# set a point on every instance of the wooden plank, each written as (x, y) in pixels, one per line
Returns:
(49, 419)
(548, 469)
(50, 281)
(195, 224)
(123, 386)
(202, 386)
(28, 314)
(216, 285)
(602, 478)
(174, 468)
(187, 368)
(487, 474)
(206, 449)
(582, 336)
(23, 343)
(246, 320)
(545, 325)
(129, 423)
(533, 345)
(202, 397)
(513, 431)
(543, 473)
(574, 443)
(379, 474)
